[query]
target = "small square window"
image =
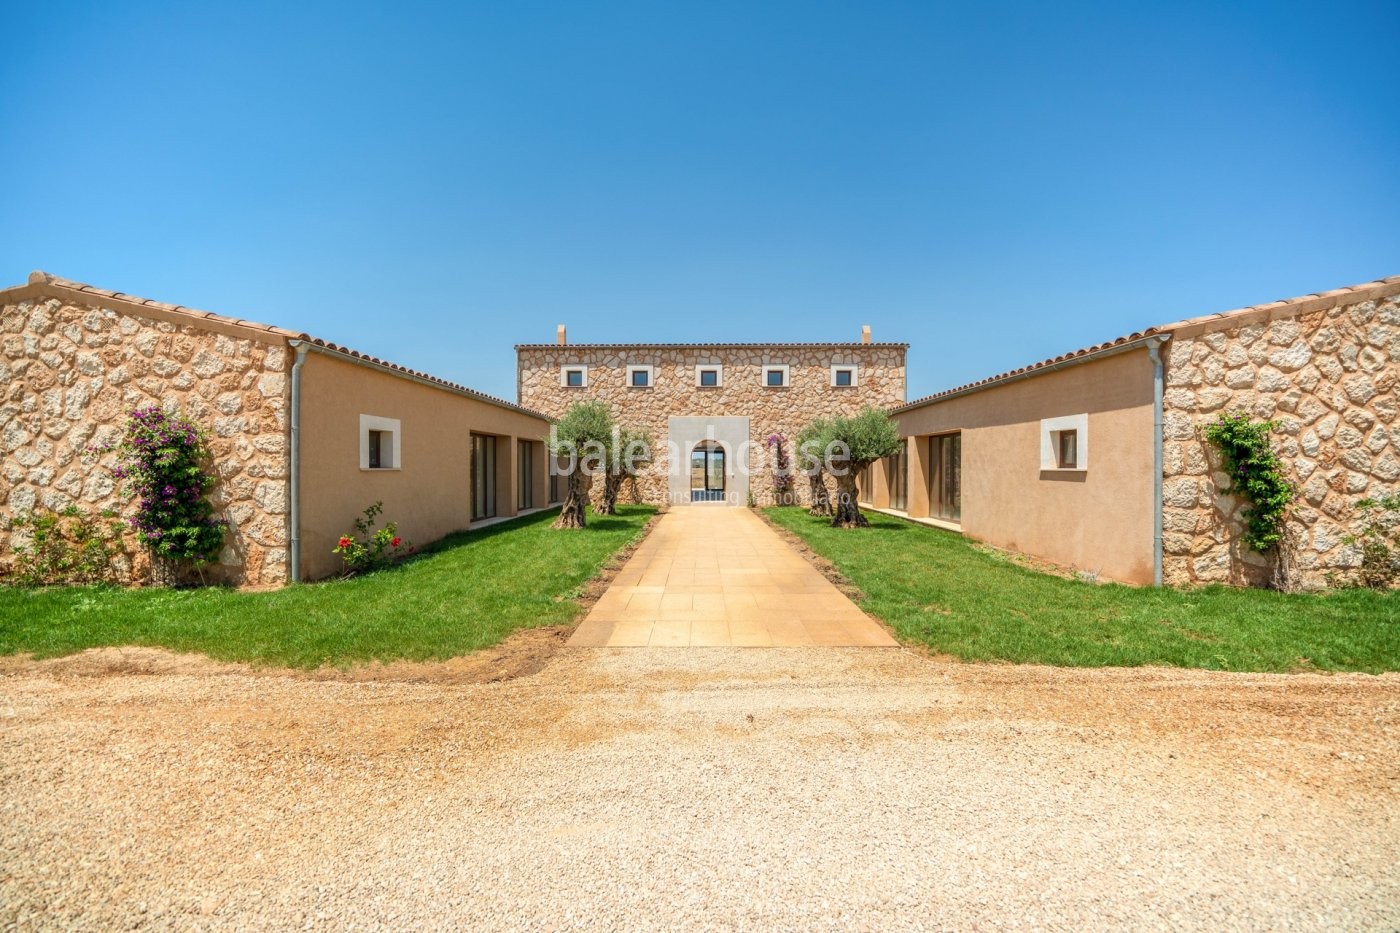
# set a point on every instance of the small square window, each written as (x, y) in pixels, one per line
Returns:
(843, 376)
(640, 377)
(709, 375)
(379, 443)
(1064, 443)
(573, 378)
(775, 377)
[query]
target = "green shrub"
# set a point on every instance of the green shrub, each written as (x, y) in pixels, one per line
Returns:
(1379, 538)
(71, 546)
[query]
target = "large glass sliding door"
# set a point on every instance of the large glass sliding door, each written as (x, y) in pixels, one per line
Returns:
(897, 475)
(707, 472)
(483, 476)
(525, 475)
(945, 479)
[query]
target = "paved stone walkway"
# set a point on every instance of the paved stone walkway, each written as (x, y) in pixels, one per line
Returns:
(718, 576)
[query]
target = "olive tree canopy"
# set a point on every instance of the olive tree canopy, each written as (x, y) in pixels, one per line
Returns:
(582, 436)
(854, 444)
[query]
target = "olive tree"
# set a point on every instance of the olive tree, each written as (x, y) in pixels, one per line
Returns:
(812, 442)
(582, 436)
(855, 443)
(628, 449)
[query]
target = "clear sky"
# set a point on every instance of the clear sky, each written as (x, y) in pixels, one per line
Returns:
(994, 184)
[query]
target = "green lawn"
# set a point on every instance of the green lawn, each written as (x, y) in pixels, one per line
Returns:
(935, 588)
(465, 593)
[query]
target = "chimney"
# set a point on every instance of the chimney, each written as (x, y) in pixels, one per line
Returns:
(561, 335)
(865, 333)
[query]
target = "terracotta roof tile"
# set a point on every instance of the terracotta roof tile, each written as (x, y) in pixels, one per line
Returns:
(1163, 329)
(44, 278)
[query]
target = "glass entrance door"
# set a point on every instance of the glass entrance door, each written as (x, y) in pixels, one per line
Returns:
(707, 472)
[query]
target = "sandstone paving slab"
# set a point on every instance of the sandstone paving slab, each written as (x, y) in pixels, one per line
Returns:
(711, 576)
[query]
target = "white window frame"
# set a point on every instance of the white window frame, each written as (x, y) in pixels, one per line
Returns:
(391, 426)
(705, 367)
(1050, 430)
(769, 367)
(649, 370)
(571, 367)
(855, 375)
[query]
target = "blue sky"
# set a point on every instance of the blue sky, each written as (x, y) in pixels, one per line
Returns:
(994, 184)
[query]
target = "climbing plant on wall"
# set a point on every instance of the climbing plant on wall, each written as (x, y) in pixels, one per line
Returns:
(161, 459)
(1256, 475)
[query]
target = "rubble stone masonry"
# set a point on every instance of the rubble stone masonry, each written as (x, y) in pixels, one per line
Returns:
(784, 411)
(1328, 376)
(72, 373)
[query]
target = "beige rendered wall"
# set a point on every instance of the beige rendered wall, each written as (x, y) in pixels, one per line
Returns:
(880, 379)
(430, 493)
(1099, 519)
(73, 367)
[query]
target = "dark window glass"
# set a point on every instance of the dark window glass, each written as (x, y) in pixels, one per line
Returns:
(1069, 449)
(775, 377)
(526, 479)
(843, 377)
(483, 476)
(640, 377)
(709, 377)
(574, 378)
(376, 450)
(946, 477)
(897, 471)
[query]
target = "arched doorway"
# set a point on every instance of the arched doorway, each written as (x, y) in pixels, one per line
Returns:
(707, 472)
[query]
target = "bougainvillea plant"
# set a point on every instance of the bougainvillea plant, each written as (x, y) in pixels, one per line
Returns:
(1256, 475)
(369, 547)
(161, 459)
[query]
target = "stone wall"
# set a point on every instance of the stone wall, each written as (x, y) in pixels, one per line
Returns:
(880, 378)
(1328, 376)
(73, 371)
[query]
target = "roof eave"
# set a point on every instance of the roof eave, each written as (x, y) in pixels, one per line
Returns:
(1124, 345)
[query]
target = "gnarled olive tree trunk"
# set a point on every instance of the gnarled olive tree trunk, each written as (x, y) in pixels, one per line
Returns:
(574, 512)
(821, 499)
(848, 514)
(612, 485)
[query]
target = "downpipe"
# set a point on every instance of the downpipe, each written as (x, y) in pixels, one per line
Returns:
(294, 484)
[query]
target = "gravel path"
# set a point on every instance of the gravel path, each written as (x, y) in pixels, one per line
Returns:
(697, 788)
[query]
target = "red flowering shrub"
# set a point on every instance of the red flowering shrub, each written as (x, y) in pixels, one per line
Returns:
(368, 547)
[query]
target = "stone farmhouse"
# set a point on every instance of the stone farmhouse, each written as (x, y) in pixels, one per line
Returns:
(1093, 459)
(710, 408)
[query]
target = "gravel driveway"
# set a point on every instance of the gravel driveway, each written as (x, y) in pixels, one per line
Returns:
(697, 788)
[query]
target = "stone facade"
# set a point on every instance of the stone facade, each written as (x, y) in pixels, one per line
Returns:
(73, 371)
(879, 380)
(1327, 373)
